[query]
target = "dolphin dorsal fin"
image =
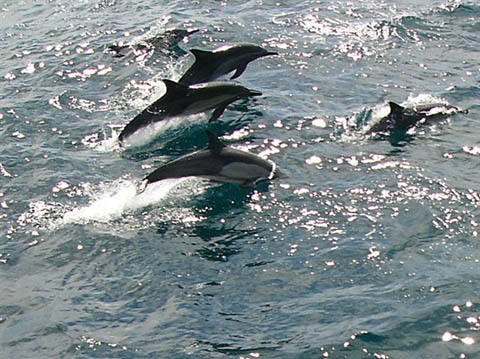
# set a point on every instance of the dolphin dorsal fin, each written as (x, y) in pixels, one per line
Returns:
(174, 87)
(395, 108)
(201, 54)
(213, 141)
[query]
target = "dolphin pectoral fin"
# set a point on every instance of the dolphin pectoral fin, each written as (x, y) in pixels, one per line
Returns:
(240, 70)
(218, 112)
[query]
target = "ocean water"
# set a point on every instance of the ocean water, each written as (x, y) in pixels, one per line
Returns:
(368, 249)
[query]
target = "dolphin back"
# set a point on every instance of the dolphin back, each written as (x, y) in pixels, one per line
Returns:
(202, 69)
(199, 163)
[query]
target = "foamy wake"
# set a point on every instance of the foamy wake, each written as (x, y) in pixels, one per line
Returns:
(107, 203)
(117, 200)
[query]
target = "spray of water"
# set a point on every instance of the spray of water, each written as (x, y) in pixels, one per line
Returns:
(118, 199)
(111, 202)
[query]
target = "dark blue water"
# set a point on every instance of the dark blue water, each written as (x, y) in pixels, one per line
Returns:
(369, 249)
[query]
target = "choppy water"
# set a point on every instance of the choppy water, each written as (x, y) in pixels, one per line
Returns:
(370, 248)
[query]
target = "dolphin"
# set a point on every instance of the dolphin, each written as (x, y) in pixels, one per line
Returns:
(220, 163)
(164, 41)
(210, 65)
(181, 100)
(401, 119)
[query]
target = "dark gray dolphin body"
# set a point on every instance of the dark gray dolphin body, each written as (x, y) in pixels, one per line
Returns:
(164, 41)
(180, 100)
(210, 65)
(401, 119)
(219, 163)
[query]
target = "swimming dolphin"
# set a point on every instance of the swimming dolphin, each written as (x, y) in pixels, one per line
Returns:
(180, 100)
(164, 41)
(219, 163)
(210, 65)
(401, 119)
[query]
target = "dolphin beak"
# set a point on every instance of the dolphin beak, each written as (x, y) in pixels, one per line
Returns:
(254, 93)
(193, 31)
(271, 53)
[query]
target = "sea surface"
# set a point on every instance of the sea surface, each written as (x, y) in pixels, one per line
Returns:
(369, 248)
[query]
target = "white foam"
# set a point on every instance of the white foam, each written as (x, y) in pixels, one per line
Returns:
(117, 199)
(148, 133)
(141, 94)
(116, 203)
(423, 99)
(107, 141)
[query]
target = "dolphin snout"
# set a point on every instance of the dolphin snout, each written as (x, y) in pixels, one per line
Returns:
(270, 53)
(254, 93)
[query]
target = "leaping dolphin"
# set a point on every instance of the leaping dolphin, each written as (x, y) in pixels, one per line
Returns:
(180, 100)
(219, 163)
(164, 41)
(210, 65)
(401, 119)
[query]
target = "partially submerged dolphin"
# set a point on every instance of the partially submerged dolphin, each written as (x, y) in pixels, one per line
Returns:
(180, 100)
(401, 119)
(164, 41)
(210, 65)
(219, 163)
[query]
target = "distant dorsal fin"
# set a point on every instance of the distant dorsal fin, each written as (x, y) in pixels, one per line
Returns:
(201, 54)
(213, 141)
(174, 87)
(395, 108)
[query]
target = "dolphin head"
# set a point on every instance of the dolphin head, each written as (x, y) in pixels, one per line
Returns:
(256, 51)
(251, 51)
(171, 37)
(180, 34)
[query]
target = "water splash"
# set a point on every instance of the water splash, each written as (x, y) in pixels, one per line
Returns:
(105, 140)
(108, 202)
(117, 199)
(147, 134)
(356, 127)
